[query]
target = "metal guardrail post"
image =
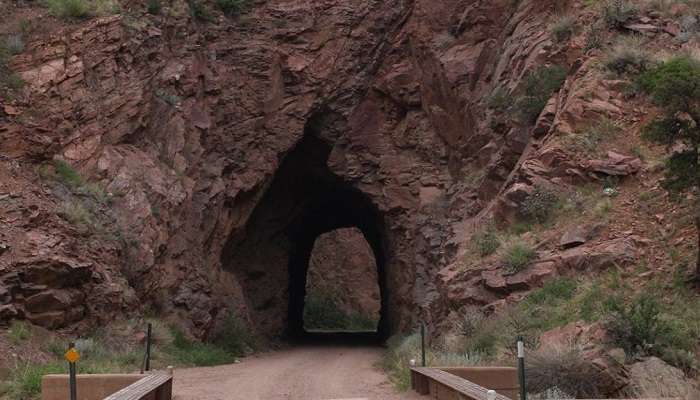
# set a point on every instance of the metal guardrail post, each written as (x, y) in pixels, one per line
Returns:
(148, 347)
(72, 371)
(521, 368)
(422, 344)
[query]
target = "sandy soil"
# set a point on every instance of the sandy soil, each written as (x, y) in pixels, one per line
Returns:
(303, 373)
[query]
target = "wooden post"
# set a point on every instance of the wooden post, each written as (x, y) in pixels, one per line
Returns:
(422, 344)
(148, 347)
(73, 383)
(521, 368)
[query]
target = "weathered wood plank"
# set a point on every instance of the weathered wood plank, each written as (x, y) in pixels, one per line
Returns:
(159, 383)
(456, 383)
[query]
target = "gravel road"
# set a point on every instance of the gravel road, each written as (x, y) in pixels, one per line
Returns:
(299, 373)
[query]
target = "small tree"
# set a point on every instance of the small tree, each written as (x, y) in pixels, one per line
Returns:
(675, 86)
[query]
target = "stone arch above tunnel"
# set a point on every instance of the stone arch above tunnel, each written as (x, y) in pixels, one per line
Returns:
(270, 257)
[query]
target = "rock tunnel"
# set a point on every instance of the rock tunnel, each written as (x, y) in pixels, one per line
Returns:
(270, 257)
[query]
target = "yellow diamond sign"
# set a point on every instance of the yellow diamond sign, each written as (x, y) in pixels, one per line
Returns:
(72, 355)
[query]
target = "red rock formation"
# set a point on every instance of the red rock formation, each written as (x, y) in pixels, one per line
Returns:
(227, 147)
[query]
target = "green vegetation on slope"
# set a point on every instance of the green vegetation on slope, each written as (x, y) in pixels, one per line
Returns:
(640, 324)
(321, 312)
(675, 86)
(104, 352)
(79, 9)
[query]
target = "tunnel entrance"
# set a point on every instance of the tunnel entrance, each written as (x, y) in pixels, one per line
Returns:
(271, 256)
(342, 290)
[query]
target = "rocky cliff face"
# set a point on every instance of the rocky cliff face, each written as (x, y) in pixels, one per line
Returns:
(225, 147)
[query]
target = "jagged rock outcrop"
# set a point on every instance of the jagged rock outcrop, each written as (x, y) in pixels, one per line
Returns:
(50, 272)
(653, 377)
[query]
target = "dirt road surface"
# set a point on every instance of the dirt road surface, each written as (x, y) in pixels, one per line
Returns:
(299, 373)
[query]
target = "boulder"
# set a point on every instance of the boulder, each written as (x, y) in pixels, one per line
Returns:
(508, 206)
(49, 320)
(497, 280)
(653, 378)
(574, 237)
(52, 300)
(615, 165)
(644, 29)
(55, 271)
(599, 256)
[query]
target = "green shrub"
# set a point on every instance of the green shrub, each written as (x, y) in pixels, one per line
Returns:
(553, 292)
(322, 312)
(14, 44)
(683, 359)
(673, 82)
(499, 100)
(539, 87)
(589, 305)
(75, 213)
(67, 174)
(360, 322)
(154, 7)
(24, 382)
(55, 347)
(486, 242)
(9, 47)
(471, 323)
(517, 255)
(198, 10)
(595, 37)
(628, 56)
(232, 7)
(18, 332)
(235, 337)
(171, 99)
(675, 87)
(520, 227)
(400, 351)
(540, 206)
(563, 367)
(69, 8)
(563, 28)
(63, 172)
(79, 9)
(11, 81)
(588, 141)
(637, 327)
(197, 353)
(482, 343)
(616, 13)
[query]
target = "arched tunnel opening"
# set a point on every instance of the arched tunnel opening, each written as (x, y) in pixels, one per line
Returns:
(342, 286)
(338, 207)
(270, 257)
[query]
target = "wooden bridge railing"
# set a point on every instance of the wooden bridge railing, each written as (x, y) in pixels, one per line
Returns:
(150, 387)
(444, 385)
